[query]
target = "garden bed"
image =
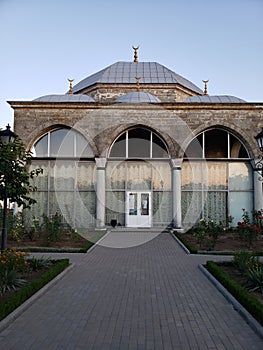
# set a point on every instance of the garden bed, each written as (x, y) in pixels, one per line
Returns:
(68, 242)
(241, 280)
(227, 243)
(12, 299)
(236, 284)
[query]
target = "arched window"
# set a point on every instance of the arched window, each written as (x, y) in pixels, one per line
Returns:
(139, 162)
(62, 142)
(139, 143)
(216, 178)
(216, 143)
(67, 183)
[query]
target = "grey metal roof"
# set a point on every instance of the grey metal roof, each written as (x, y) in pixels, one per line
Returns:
(65, 98)
(214, 99)
(138, 97)
(125, 73)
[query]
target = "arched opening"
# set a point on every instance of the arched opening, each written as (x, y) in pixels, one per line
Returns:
(138, 180)
(67, 185)
(217, 179)
(139, 143)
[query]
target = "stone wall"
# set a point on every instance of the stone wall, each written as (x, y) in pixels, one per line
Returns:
(176, 123)
(166, 93)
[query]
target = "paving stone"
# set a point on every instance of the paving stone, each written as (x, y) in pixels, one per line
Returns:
(150, 296)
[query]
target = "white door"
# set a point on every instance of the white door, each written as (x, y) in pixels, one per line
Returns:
(138, 209)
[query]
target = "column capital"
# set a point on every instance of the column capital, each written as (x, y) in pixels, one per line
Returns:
(176, 163)
(101, 163)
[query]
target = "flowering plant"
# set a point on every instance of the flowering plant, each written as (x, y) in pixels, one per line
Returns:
(11, 263)
(54, 226)
(249, 229)
(12, 259)
(255, 277)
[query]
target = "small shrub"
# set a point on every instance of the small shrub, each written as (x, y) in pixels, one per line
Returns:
(248, 229)
(12, 262)
(11, 259)
(243, 260)
(36, 264)
(199, 233)
(208, 232)
(255, 277)
(15, 225)
(53, 226)
(10, 281)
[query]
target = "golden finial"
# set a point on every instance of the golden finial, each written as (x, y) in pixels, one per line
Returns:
(205, 88)
(138, 83)
(135, 53)
(70, 86)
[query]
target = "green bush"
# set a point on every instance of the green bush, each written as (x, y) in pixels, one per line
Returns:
(23, 294)
(252, 305)
(243, 260)
(11, 262)
(188, 245)
(36, 264)
(255, 277)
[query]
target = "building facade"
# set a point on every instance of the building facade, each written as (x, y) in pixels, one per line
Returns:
(139, 144)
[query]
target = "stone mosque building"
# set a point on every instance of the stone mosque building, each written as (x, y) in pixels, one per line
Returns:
(139, 145)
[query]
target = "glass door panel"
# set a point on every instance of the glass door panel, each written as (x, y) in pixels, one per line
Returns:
(138, 209)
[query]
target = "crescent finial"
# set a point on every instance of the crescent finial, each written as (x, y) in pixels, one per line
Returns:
(70, 86)
(135, 53)
(205, 88)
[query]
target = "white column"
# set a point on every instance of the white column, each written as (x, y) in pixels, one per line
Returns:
(176, 188)
(258, 196)
(100, 191)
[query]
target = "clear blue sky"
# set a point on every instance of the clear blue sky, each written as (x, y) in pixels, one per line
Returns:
(44, 42)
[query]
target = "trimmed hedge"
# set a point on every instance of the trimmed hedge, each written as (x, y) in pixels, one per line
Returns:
(253, 306)
(192, 249)
(23, 294)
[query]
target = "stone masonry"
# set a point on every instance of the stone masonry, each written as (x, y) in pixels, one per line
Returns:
(102, 123)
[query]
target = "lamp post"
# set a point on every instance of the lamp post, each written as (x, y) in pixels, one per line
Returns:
(259, 139)
(259, 163)
(7, 136)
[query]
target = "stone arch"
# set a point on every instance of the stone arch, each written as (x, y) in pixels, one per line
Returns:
(35, 136)
(238, 133)
(104, 144)
(140, 126)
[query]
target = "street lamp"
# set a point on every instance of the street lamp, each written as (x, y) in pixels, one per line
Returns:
(6, 137)
(259, 139)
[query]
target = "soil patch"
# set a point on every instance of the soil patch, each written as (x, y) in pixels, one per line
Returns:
(67, 240)
(229, 241)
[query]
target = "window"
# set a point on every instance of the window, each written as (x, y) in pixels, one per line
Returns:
(216, 178)
(67, 183)
(216, 143)
(139, 143)
(62, 143)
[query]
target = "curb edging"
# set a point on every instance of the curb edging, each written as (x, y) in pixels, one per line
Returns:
(252, 322)
(24, 306)
(187, 251)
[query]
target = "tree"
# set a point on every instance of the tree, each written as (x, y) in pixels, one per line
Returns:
(15, 173)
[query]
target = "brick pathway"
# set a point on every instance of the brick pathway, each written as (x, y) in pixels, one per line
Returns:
(151, 296)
